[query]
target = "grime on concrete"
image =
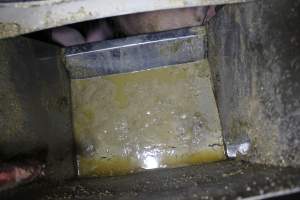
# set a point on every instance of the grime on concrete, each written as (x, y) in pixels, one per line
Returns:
(220, 180)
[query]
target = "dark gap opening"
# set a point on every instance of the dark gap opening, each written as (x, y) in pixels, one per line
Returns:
(127, 25)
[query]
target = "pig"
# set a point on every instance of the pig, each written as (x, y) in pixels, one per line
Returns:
(134, 24)
(98, 30)
(163, 20)
(21, 169)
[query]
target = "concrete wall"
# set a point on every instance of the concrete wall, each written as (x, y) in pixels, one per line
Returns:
(255, 57)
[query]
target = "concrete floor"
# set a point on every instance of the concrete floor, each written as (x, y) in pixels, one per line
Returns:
(222, 180)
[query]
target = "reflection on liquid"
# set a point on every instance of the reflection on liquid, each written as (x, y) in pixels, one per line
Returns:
(150, 163)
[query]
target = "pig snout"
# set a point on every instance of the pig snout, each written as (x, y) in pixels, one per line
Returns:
(67, 36)
(99, 31)
(13, 174)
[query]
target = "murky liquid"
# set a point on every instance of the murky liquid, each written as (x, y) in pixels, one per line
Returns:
(164, 117)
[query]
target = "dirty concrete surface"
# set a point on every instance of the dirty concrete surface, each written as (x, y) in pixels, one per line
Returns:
(35, 113)
(222, 180)
(254, 54)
